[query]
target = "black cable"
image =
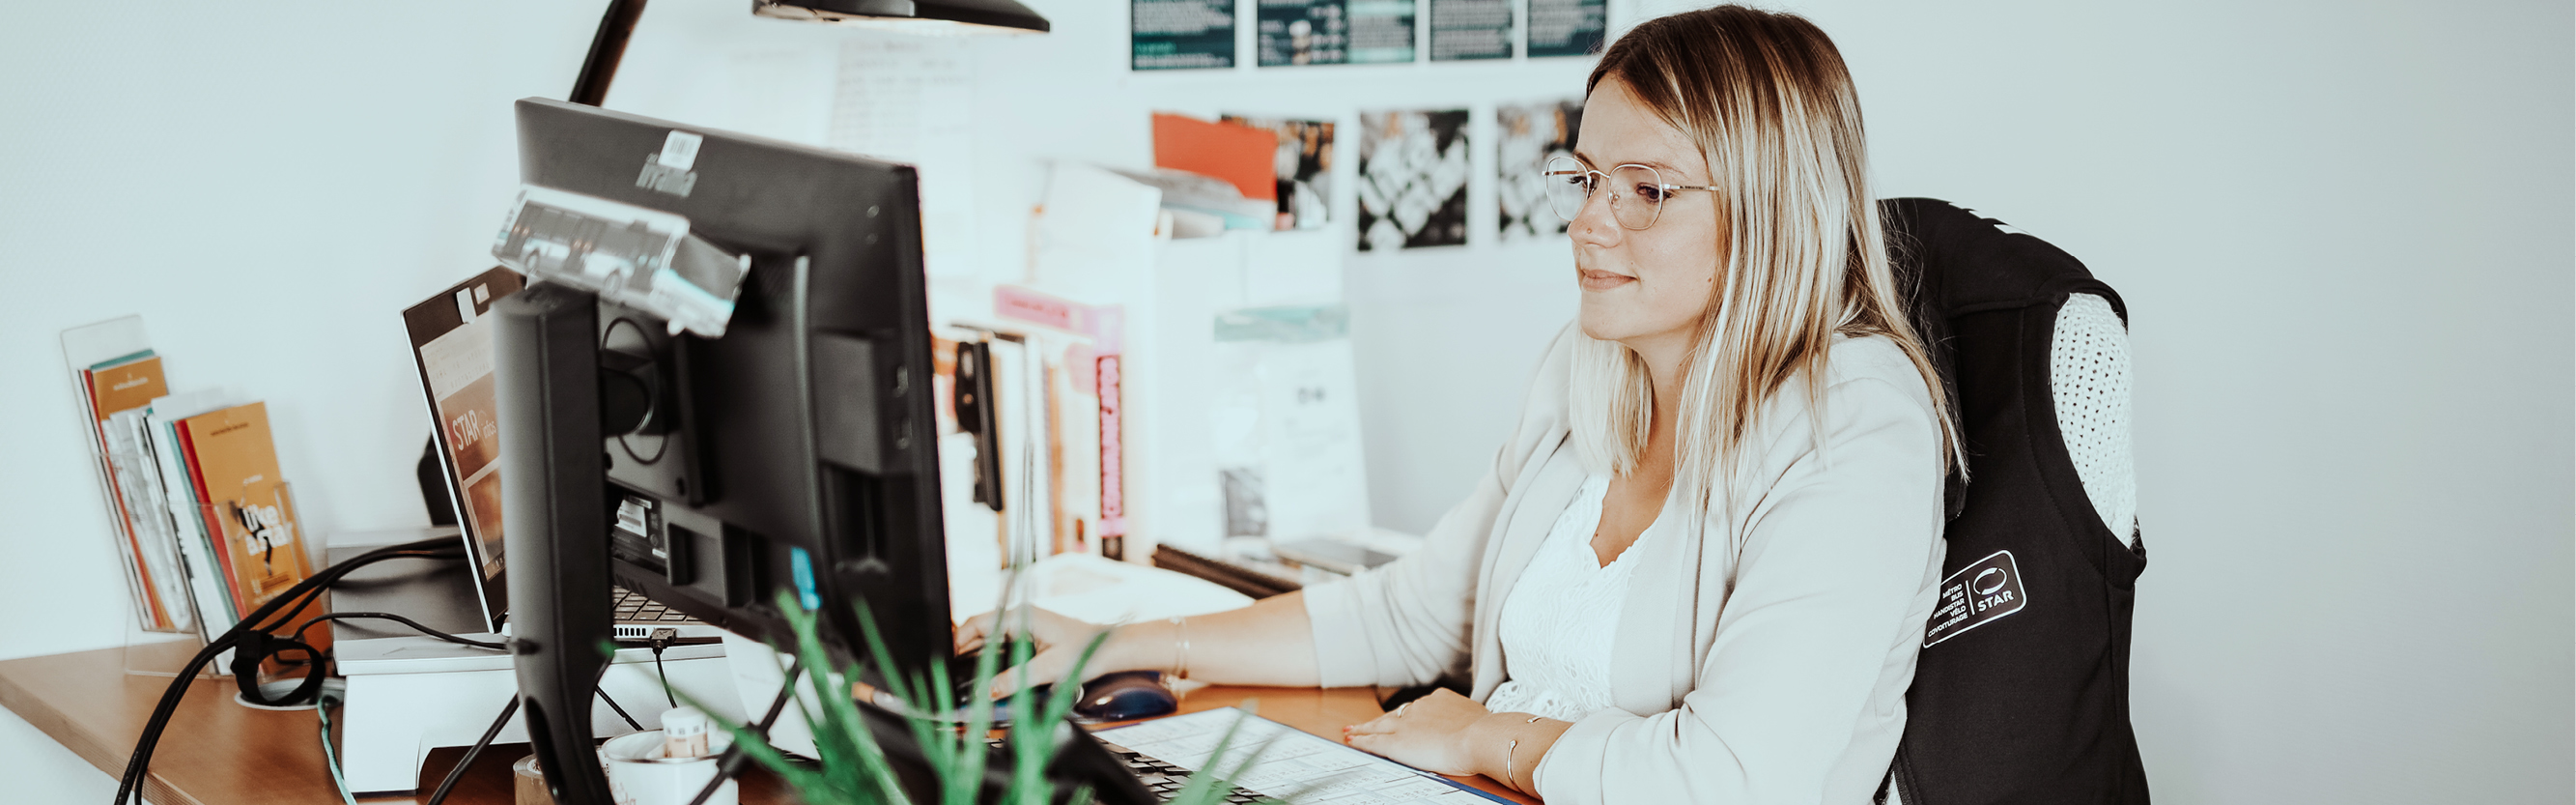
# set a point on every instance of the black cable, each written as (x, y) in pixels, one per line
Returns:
(243, 632)
(661, 640)
(471, 752)
(303, 594)
(415, 625)
(621, 712)
(730, 763)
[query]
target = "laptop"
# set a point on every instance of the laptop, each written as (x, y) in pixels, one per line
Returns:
(451, 344)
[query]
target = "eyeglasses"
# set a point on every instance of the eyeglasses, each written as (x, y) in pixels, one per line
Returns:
(1637, 192)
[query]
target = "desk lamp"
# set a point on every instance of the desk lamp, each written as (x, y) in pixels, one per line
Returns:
(928, 17)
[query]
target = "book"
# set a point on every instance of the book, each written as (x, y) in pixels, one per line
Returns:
(113, 369)
(206, 585)
(111, 386)
(1246, 580)
(147, 516)
(1021, 416)
(249, 509)
(1079, 347)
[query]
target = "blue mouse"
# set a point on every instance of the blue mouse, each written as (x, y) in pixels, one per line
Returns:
(1125, 696)
(1121, 696)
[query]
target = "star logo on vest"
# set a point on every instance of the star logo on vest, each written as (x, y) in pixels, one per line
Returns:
(1975, 596)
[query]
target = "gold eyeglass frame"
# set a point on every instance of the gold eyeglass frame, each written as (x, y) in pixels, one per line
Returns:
(1552, 173)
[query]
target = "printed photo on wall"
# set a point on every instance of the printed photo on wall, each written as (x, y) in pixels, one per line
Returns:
(1304, 165)
(1530, 135)
(1412, 179)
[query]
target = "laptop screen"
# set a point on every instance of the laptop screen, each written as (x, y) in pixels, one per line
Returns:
(451, 343)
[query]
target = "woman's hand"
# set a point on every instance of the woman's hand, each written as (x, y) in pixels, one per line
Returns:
(1060, 641)
(1427, 733)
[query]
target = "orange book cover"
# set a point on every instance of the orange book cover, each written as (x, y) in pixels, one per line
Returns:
(1241, 155)
(115, 387)
(122, 386)
(197, 492)
(238, 482)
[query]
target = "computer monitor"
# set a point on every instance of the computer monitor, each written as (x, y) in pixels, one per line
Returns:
(796, 452)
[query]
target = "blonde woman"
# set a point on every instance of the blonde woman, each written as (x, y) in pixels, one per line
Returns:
(1700, 568)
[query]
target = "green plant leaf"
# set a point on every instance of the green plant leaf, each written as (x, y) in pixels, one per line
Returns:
(855, 770)
(851, 758)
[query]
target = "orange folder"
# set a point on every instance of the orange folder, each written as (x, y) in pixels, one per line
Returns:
(1241, 155)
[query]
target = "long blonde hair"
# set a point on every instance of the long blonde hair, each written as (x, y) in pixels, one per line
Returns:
(1768, 101)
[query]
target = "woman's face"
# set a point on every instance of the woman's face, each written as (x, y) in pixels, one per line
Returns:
(1643, 287)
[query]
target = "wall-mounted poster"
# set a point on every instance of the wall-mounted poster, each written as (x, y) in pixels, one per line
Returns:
(1301, 32)
(1413, 179)
(1304, 165)
(1529, 135)
(1565, 27)
(1181, 34)
(1471, 29)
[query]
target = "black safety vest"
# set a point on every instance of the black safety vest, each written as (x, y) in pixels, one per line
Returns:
(2021, 694)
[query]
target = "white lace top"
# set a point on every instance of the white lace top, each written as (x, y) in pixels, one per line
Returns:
(1558, 622)
(2088, 373)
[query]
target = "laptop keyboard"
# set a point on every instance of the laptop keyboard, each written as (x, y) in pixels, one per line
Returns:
(633, 607)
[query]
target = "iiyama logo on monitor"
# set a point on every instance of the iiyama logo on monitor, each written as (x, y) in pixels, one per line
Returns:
(668, 171)
(662, 178)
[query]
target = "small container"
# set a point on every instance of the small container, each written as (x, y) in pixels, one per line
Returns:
(529, 783)
(684, 733)
(639, 773)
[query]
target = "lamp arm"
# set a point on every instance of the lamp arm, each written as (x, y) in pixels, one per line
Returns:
(606, 48)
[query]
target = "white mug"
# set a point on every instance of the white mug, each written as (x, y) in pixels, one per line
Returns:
(638, 774)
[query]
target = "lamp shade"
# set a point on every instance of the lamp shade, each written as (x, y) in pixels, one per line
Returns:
(917, 16)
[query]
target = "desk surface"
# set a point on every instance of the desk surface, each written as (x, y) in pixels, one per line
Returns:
(86, 701)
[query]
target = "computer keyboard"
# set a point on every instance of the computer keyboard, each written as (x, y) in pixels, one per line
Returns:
(1167, 779)
(1292, 765)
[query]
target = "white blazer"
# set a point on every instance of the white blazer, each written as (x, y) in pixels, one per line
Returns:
(1764, 660)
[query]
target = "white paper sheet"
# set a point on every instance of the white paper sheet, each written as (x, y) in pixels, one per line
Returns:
(909, 99)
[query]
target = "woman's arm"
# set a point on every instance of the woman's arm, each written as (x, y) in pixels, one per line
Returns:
(1402, 624)
(1268, 643)
(1452, 734)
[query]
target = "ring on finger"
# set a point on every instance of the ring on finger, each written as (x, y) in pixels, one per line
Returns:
(1399, 709)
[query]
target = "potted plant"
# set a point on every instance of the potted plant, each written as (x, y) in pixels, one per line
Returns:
(855, 769)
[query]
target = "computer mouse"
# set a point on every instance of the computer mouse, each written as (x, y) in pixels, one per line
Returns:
(1126, 696)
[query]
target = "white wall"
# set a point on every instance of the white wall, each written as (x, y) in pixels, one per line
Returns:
(268, 186)
(2343, 228)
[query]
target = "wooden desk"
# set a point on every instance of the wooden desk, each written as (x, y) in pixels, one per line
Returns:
(217, 752)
